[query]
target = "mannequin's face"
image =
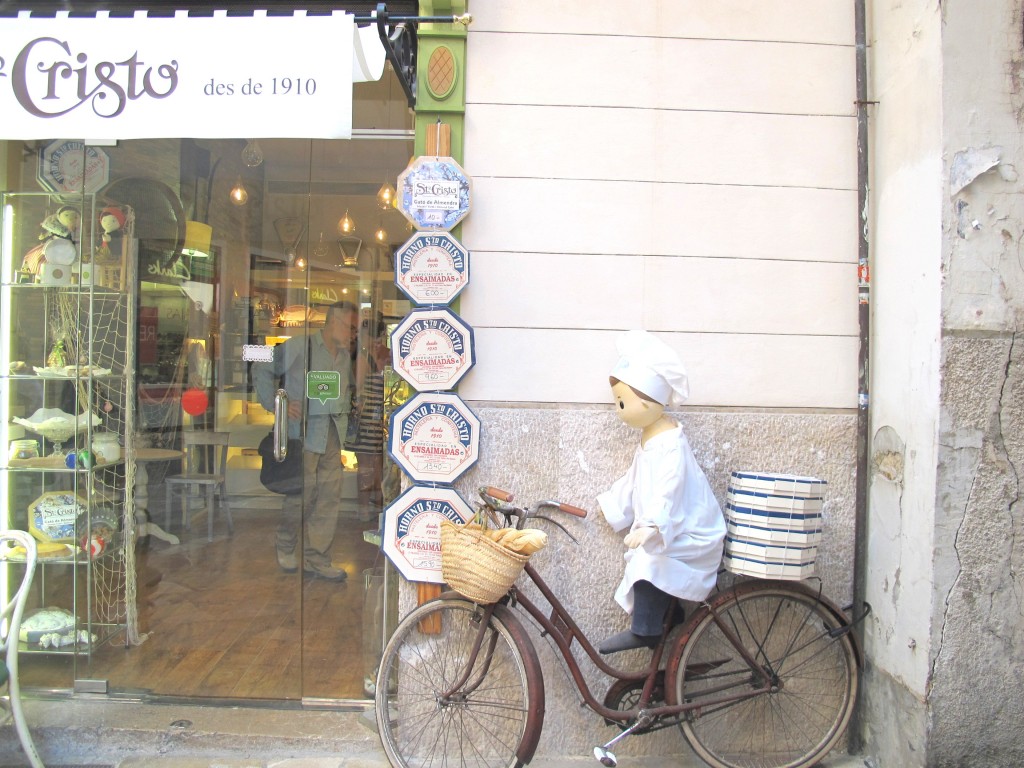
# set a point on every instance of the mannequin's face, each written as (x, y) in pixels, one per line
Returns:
(633, 409)
(70, 218)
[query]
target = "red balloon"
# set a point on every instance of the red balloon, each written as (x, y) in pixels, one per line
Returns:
(194, 401)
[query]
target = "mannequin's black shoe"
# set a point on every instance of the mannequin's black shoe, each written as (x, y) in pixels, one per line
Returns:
(625, 641)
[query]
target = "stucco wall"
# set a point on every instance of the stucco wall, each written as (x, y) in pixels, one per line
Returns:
(977, 653)
(572, 454)
(905, 234)
(905, 238)
(944, 641)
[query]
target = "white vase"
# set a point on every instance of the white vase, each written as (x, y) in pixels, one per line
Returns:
(105, 448)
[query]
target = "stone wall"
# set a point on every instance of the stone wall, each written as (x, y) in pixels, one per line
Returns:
(572, 454)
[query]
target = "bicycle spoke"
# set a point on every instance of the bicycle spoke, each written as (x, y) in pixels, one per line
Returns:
(428, 722)
(813, 677)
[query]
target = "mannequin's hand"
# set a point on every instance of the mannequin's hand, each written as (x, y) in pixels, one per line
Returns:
(639, 537)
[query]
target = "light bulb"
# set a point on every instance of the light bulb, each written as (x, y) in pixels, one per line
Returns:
(252, 155)
(238, 194)
(381, 235)
(345, 225)
(385, 196)
(300, 263)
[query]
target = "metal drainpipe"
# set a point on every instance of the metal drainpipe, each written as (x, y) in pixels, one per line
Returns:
(864, 319)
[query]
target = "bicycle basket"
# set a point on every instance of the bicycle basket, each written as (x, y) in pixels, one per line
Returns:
(475, 566)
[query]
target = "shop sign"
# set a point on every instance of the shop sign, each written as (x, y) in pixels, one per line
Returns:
(412, 530)
(432, 268)
(432, 349)
(154, 268)
(434, 193)
(434, 438)
(202, 76)
(72, 166)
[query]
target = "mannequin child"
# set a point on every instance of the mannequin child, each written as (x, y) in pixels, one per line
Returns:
(676, 528)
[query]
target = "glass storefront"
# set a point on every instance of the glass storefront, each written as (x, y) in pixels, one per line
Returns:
(235, 246)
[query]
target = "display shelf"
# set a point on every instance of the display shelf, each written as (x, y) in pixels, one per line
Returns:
(67, 373)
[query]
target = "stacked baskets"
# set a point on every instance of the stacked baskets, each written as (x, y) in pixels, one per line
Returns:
(774, 524)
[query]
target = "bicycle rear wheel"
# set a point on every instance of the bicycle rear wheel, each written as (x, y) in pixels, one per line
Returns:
(483, 724)
(814, 680)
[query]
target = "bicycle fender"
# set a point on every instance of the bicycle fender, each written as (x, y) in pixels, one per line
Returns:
(534, 682)
(833, 608)
(675, 652)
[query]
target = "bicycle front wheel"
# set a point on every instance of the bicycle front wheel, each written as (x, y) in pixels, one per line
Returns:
(812, 671)
(424, 721)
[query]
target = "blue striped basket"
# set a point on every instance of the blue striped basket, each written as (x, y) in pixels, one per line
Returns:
(774, 524)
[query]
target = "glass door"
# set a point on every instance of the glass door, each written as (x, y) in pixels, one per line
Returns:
(249, 252)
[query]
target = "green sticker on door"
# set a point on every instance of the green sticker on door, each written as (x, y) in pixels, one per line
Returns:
(323, 385)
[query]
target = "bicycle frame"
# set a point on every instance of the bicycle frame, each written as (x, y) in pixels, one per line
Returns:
(662, 701)
(566, 630)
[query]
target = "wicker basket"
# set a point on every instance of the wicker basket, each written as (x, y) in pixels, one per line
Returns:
(476, 567)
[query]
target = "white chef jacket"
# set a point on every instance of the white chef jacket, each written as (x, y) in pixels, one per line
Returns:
(665, 488)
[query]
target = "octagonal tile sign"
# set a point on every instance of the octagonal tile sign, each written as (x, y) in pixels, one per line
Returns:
(52, 517)
(432, 349)
(432, 268)
(412, 529)
(434, 193)
(434, 438)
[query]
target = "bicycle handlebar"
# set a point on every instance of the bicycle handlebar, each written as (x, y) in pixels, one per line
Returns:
(497, 493)
(498, 500)
(569, 509)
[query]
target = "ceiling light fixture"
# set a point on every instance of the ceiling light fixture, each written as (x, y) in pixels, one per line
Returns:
(345, 224)
(238, 194)
(252, 155)
(320, 250)
(386, 196)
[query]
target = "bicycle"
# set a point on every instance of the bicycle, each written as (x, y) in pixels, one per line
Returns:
(762, 673)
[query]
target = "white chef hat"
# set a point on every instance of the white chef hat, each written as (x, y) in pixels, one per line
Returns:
(650, 366)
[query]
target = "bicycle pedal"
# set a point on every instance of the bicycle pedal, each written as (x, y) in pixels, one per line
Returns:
(604, 757)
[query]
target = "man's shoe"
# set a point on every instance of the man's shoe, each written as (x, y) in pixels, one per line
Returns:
(625, 641)
(324, 571)
(287, 561)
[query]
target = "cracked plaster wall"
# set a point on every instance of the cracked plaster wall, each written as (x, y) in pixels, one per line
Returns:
(976, 665)
(977, 649)
(947, 396)
(574, 453)
(906, 242)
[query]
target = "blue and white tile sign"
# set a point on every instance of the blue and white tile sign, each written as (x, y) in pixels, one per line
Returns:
(432, 349)
(412, 530)
(434, 438)
(432, 268)
(434, 193)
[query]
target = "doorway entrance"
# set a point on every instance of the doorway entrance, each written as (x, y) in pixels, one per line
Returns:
(244, 246)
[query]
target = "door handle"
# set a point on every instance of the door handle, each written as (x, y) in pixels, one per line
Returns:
(280, 425)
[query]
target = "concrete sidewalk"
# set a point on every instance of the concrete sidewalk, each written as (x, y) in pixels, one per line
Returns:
(111, 733)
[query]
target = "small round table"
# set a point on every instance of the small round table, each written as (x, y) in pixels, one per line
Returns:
(142, 523)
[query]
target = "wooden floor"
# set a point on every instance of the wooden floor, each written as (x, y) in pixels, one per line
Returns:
(222, 621)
